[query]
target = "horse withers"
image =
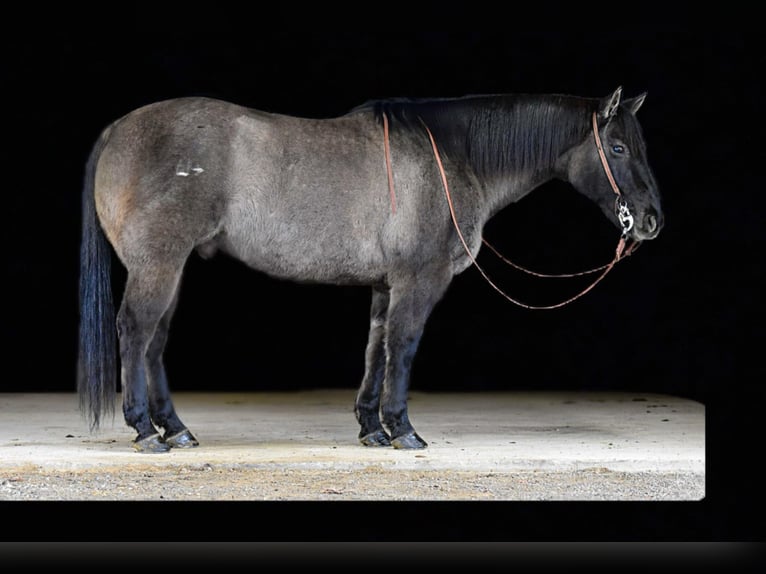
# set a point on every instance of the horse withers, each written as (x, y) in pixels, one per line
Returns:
(393, 195)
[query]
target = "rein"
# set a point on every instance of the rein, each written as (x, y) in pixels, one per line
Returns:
(621, 209)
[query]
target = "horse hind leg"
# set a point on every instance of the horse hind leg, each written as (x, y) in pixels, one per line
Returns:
(367, 403)
(161, 409)
(149, 293)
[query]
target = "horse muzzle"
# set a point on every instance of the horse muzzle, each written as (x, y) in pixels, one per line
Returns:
(648, 225)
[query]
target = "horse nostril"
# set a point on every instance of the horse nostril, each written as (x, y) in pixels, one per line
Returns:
(650, 223)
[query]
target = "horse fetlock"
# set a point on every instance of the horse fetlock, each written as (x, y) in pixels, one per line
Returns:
(397, 421)
(368, 418)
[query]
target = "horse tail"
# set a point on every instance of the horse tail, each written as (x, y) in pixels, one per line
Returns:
(97, 359)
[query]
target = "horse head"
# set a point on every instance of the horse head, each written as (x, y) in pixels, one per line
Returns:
(610, 167)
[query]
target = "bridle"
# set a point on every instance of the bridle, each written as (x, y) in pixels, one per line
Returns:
(622, 212)
(620, 205)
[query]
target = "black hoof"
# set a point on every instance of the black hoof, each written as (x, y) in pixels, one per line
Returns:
(151, 444)
(411, 440)
(183, 439)
(377, 438)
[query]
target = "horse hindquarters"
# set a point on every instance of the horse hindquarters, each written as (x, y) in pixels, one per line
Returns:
(154, 217)
(143, 319)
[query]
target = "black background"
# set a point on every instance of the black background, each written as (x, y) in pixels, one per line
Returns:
(678, 317)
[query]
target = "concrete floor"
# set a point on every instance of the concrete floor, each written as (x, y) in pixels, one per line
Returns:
(639, 445)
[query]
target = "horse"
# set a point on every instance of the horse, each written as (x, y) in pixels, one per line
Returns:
(392, 195)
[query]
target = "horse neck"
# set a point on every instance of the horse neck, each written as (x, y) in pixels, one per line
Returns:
(502, 191)
(522, 143)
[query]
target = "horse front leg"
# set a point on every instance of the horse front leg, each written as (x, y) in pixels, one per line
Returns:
(412, 301)
(367, 403)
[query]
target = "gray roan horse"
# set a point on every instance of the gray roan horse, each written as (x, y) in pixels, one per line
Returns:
(354, 200)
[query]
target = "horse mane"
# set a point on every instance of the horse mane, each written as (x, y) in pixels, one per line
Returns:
(494, 134)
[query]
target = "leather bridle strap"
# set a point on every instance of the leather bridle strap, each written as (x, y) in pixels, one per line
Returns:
(602, 155)
(620, 205)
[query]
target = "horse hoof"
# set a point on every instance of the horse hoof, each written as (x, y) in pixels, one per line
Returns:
(151, 444)
(377, 438)
(411, 440)
(183, 439)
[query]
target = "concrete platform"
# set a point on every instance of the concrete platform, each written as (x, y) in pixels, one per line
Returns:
(303, 446)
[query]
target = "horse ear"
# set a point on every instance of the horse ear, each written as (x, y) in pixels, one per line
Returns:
(634, 103)
(608, 106)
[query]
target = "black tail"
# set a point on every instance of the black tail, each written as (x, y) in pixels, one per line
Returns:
(97, 360)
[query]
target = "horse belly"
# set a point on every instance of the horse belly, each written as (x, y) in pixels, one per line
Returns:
(283, 248)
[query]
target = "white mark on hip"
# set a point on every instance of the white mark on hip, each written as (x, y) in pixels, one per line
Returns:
(184, 168)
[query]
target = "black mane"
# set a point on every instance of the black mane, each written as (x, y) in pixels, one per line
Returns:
(495, 134)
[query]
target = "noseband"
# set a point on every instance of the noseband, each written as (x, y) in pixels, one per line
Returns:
(620, 206)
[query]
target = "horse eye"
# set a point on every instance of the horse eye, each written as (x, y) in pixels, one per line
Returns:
(617, 148)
